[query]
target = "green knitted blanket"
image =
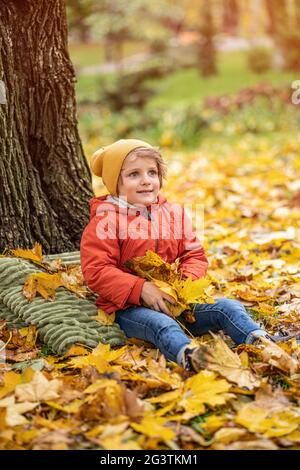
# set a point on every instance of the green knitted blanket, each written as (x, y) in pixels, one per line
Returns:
(60, 323)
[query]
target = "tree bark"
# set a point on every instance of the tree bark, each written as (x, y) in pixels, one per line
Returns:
(45, 182)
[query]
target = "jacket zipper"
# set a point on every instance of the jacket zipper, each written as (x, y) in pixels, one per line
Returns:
(157, 234)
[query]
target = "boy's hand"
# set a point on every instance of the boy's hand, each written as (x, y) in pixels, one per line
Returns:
(154, 298)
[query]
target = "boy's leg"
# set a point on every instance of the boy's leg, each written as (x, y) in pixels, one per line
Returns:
(155, 327)
(227, 315)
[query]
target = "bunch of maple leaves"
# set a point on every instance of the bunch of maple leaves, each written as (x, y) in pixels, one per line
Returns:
(167, 277)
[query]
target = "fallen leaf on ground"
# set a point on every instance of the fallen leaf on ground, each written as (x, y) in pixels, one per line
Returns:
(15, 410)
(277, 357)
(39, 389)
(219, 358)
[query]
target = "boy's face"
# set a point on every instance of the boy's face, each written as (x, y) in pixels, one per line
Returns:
(139, 181)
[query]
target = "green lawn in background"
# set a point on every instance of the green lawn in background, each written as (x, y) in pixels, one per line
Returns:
(187, 86)
(84, 55)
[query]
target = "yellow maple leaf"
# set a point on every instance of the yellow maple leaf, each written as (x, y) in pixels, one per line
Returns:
(151, 266)
(100, 357)
(105, 318)
(35, 254)
(100, 363)
(46, 284)
(76, 350)
(191, 397)
(251, 296)
(11, 380)
(267, 422)
(167, 288)
(190, 291)
(179, 307)
(70, 408)
(154, 427)
(213, 423)
(31, 333)
(203, 388)
(43, 283)
(121, 441)
(168, 278)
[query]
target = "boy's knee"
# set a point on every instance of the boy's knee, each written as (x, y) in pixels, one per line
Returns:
(165, 325)
(228, 304)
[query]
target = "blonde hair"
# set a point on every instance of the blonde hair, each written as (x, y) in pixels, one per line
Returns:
(151, 153)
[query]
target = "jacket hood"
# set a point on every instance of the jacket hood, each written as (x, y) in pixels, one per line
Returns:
(96, 202)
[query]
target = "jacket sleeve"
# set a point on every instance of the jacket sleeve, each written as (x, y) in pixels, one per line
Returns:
(99, 262)
(193, 261)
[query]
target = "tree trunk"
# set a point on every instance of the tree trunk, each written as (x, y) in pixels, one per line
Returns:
(278, 16)
(230, 16)
(297, 13)
(206, 47)
(44, 178)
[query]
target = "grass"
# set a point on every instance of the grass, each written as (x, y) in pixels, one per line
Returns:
(187, 86)
(83, 55)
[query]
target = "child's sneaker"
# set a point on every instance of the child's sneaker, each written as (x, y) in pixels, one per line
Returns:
(284, 338)
(194, 360)
(277, 338)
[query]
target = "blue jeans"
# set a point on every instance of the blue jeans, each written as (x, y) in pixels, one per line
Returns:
(168, 336)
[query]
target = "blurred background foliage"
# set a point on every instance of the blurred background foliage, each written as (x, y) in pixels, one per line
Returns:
(177, 72)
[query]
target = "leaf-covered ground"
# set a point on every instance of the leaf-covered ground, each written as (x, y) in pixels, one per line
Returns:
(247, 397)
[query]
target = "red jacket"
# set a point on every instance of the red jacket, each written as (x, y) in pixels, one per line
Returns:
(116, 234)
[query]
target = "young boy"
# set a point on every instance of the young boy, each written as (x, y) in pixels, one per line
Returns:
(133, 218)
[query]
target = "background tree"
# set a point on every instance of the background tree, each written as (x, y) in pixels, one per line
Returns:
(284, 27)
(79, 13)
(44, 177)
(231, 16)
(297, 13)
(278, 16)
(206, 47)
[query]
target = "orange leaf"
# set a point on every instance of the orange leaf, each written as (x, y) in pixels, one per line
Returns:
(35, 254)
(42, 283)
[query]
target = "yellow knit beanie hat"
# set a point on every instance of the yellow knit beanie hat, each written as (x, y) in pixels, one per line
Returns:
(107, 161)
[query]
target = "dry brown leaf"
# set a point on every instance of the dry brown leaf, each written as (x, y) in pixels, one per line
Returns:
(39, 389)
(219, 358)
(251, 296)
(277, 357)
(228, 435)
(15, 410)
(134, 407)
(58, 439)
(271, 414)
(258, 444)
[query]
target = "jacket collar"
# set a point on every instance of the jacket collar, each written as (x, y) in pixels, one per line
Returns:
(95, 202)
